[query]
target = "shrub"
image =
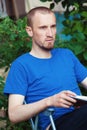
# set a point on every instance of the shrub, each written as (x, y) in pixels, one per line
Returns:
(14, 40)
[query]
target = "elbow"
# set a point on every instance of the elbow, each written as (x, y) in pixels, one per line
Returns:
(12, 117)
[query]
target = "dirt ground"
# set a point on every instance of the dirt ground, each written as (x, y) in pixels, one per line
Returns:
(2, 124)
(2, 72)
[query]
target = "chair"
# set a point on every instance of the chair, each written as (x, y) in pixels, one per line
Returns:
(48, 112)
(34, 121)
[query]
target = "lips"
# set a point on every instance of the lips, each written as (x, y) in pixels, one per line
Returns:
(50, 40)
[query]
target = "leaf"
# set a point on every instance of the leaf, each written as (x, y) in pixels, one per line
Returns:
(85, 55)
(78, 49)
(64, 3)
(77, 26)
(49, 0)
(78, 36)
(56, 1)
(52, 5)
(43, 0)
(84, 14)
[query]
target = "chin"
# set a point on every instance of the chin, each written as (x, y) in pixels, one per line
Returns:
(48, 48)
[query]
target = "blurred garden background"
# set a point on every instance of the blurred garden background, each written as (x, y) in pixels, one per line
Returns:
(71, 33)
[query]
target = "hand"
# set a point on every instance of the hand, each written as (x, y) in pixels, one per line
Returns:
(63, 99)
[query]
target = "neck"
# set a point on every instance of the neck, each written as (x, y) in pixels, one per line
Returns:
(40, 54)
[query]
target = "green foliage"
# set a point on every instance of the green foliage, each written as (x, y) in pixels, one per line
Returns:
(20, 126)
(77, 29)
(14, 40)
(3, 99)
(75, 25)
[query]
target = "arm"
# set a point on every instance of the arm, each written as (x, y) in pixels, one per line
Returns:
(19, 112)
(84, 83)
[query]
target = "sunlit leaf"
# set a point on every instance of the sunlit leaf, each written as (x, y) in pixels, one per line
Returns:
(84, 14)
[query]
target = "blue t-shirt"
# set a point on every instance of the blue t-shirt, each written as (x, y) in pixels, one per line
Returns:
(37, 78)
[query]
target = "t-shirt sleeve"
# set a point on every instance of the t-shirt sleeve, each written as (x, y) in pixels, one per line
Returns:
(79, 68)
(16, 82)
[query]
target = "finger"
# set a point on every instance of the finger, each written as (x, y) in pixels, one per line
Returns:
(66, 104)
(70, 93)
(67, 100)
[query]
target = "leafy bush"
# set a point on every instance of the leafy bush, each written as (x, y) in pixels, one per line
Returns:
(76, 26)
(14, 40)
(3, 99)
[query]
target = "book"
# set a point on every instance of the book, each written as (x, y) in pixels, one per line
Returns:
(81, 100)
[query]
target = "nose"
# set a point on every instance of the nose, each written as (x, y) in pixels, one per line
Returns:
(49, 32)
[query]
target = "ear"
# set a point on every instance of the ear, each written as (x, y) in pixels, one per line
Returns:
(29, 31)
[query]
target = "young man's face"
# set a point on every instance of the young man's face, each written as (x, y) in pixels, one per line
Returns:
(44, 30)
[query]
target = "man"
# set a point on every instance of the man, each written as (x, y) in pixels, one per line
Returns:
(46, 77)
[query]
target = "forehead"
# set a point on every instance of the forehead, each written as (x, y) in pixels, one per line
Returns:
(40, 18)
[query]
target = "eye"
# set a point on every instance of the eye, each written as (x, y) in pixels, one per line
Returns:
(53, 26)
(43, 27)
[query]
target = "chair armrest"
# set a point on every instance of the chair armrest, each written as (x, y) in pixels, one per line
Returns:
(48, 112)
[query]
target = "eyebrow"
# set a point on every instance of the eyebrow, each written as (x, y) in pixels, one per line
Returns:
(44, 26)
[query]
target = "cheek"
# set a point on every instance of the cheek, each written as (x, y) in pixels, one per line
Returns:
(41, 36)
(38, 34)
(55, 32)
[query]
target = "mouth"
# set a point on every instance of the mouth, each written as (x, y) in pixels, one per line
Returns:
(50, 40)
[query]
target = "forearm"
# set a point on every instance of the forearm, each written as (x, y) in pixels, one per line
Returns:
(19, 112)
(24, 112)
(84, 83)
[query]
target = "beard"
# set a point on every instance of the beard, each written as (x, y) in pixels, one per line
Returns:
(49, 47)
(45, 46)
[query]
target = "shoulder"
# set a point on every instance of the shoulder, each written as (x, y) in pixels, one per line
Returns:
(20, 61)
(22, 57)
(62, 51)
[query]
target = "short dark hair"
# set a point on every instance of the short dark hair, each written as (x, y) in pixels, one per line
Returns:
(32, 12)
